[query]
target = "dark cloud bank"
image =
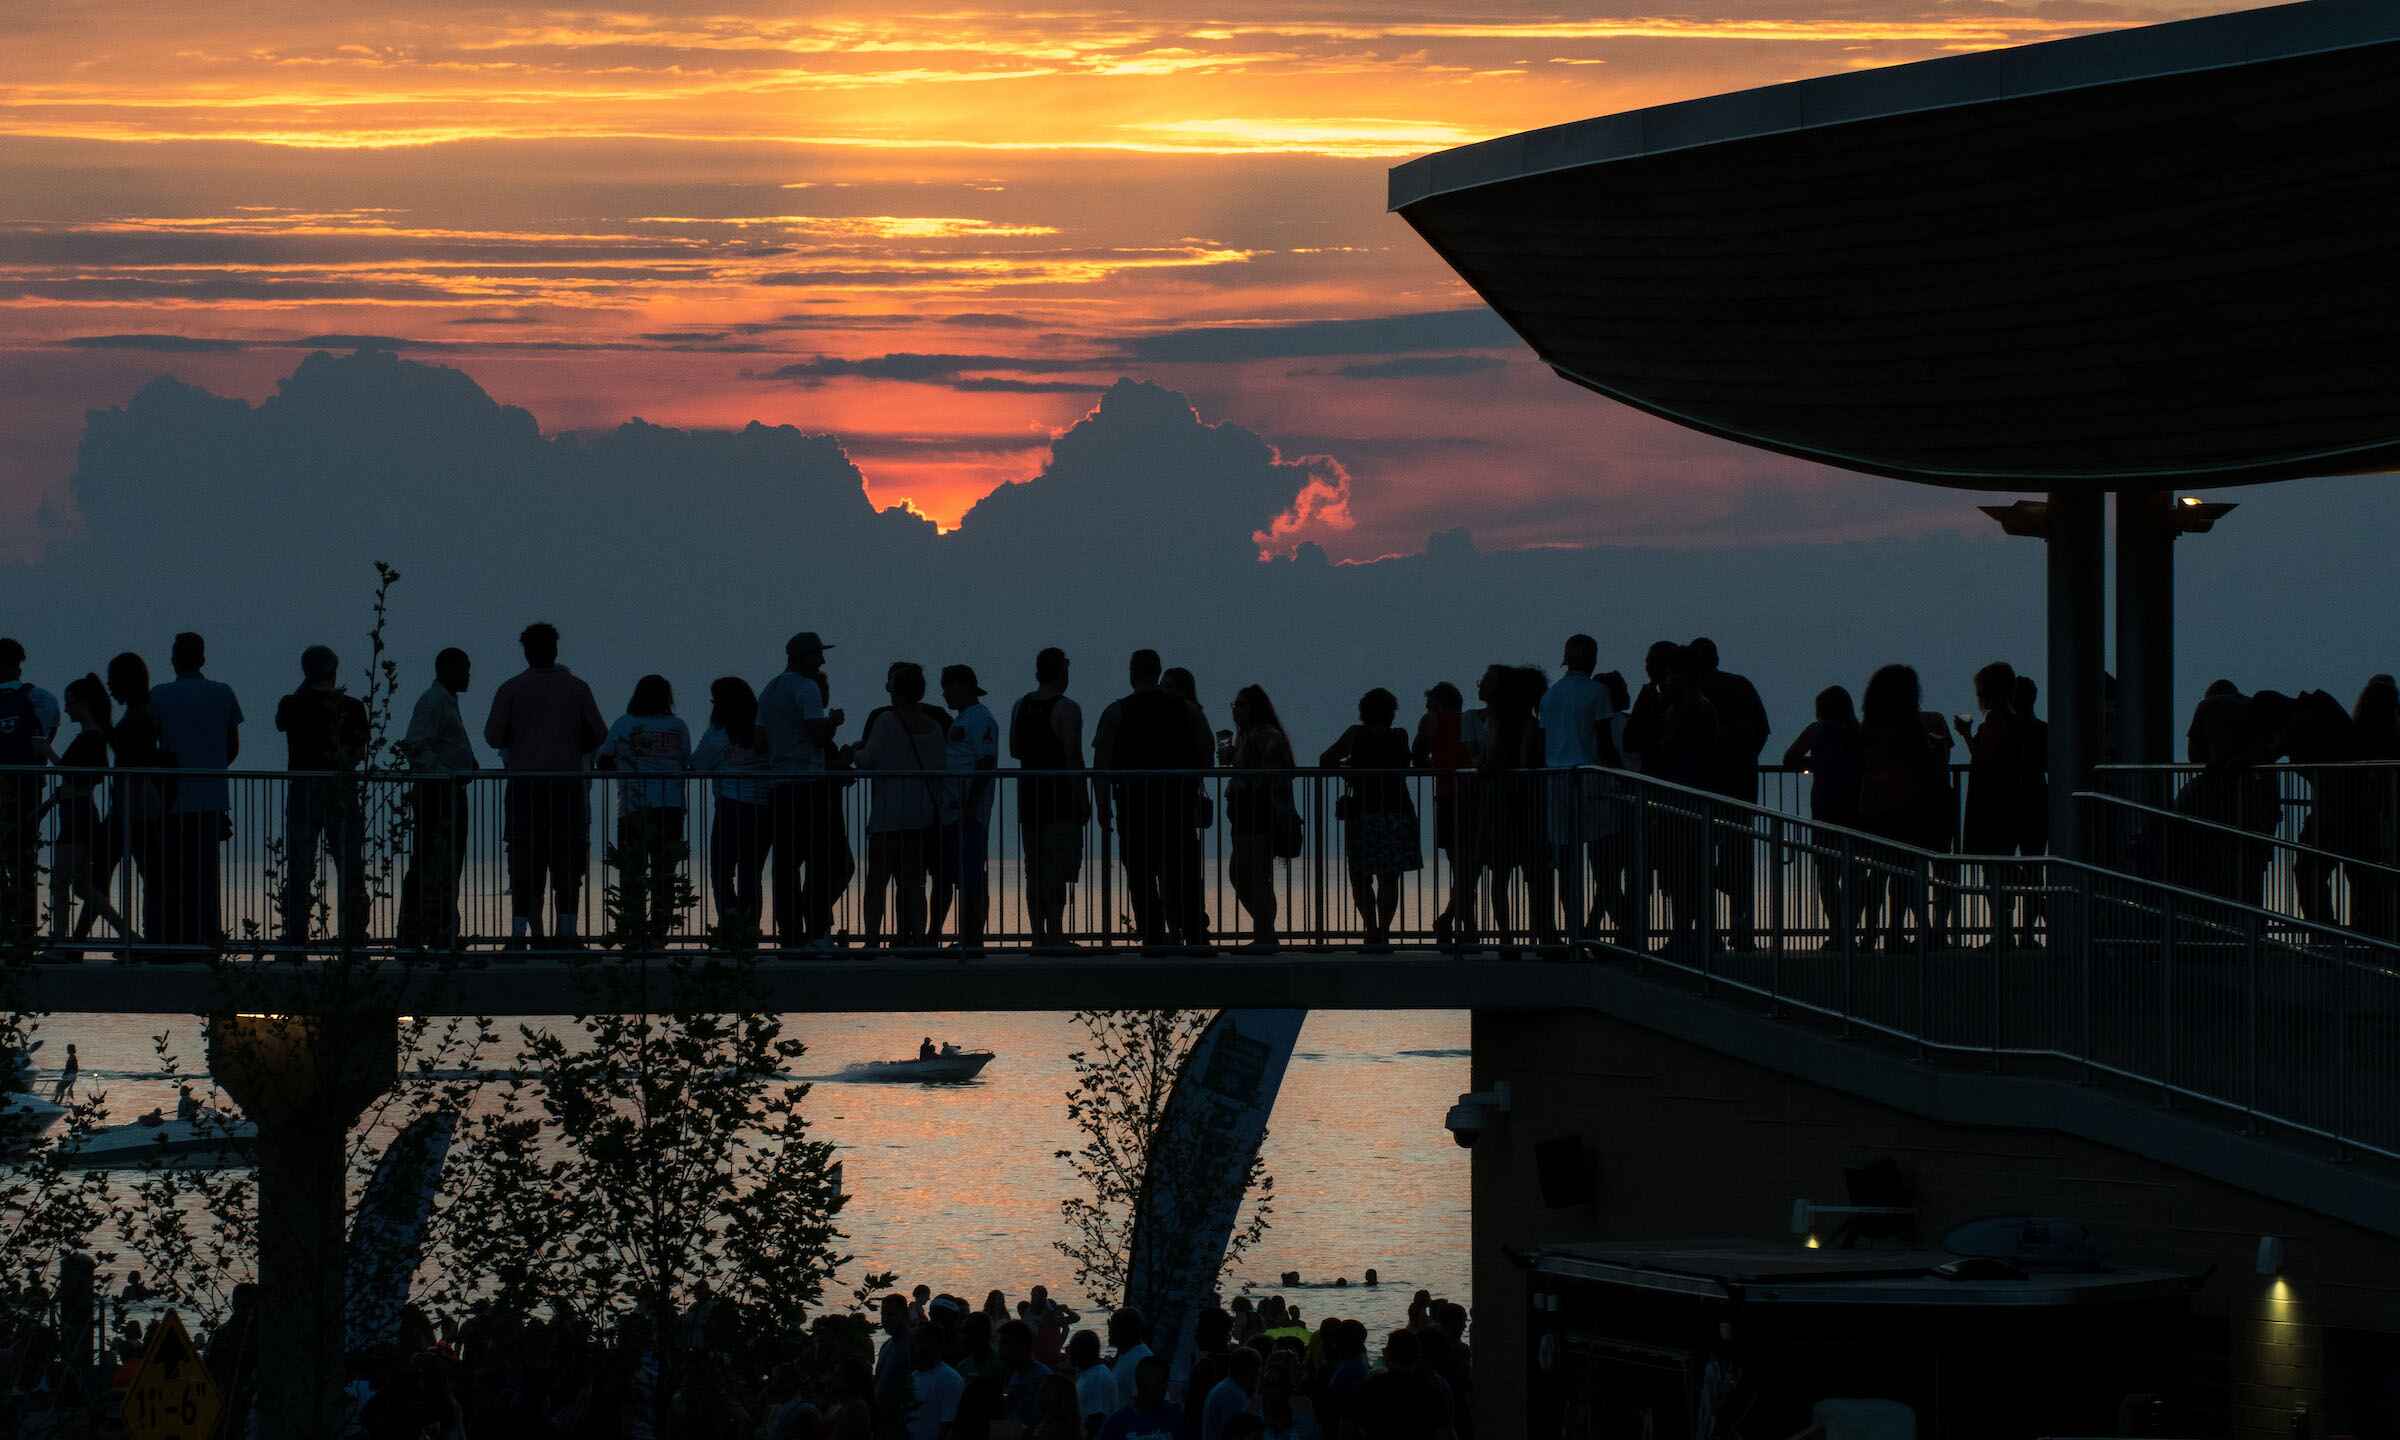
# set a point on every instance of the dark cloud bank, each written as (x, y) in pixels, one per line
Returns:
(696, 553)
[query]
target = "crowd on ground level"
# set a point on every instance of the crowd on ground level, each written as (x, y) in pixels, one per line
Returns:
(778, 770)
(943, 1369)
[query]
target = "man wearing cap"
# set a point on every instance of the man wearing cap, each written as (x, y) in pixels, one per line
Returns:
(805, 824)
(973, 750)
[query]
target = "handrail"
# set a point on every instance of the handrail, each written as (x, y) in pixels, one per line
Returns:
(2196, 996)
(1953, 857)
(2248, 836)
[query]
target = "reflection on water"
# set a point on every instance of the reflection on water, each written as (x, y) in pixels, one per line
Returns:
(958, 1186)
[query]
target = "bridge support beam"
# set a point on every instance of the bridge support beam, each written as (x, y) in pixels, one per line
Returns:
(2078, 571)
(304, 1080)
(2145, 726)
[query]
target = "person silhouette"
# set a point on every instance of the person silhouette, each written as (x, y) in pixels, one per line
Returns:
(436, 745)
(546, 726)
(1440, 746)
(970, 750)
(1904, 794)
(1742, 733)
(325, 729)
(1045, 733)
(649, 739)
(1199, 811)
(1151, 729)
(67, 1076)
(808, 833)
(1379, 822)
(1832, 749)
(137, 812)
(84, 853)
(733, 747)
(1577, 734)
(904, 812)
(1260, 809)
(1688, 750)
(200, 731)
(1996, 780)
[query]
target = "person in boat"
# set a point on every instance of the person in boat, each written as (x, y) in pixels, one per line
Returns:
(925, 1050)
(187, 1105)
(66, 1078)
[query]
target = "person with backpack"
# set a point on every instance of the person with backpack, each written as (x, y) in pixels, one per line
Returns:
(28, 720)
(1045, 733)
(324, 729)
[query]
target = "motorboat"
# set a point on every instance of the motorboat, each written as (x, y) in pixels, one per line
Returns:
(945, 1067)
(210, 1140)
(24, 1115)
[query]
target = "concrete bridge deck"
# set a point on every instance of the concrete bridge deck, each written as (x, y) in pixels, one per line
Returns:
(855, 983)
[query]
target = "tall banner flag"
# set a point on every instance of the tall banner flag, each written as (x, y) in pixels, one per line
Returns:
(387, 1236)
(1199, 1167)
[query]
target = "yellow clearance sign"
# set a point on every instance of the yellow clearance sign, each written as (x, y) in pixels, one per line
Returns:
(171, 1397)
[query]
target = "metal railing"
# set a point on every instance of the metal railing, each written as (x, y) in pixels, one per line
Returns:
(2280, 1020)
(2254, 866)
(2328, 836)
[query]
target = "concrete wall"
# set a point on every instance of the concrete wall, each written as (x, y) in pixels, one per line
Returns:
(1693, 1143)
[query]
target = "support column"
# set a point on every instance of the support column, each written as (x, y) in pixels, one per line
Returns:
(304, 1080)
(2078, 569)
(2145, 627)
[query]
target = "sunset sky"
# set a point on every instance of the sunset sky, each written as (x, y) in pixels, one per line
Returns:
(934, 235)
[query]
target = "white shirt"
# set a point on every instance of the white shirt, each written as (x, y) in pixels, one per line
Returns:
(1096, 1391)
(649, 742)
(786, 709)
(1127, 1361)
(889, 744)
(974, 738)
(437, 733)
(1573, 710)
(936, 1392)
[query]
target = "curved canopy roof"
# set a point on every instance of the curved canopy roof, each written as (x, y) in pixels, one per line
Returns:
(2146, 257)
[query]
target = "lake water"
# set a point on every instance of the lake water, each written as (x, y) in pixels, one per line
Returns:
(958, 1187)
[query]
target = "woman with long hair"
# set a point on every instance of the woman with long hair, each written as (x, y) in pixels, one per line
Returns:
(648, 738)
(737, 844)
(1259, 810)
(82, 857)
(137, 811)
(1903, 794)
(1832, 750)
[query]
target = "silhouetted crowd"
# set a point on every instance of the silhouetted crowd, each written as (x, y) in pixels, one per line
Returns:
(932, 1367)
(1504, 812)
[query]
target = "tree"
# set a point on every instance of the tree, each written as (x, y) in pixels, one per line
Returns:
(653, 1156)
(49, 1210)
(1124, 1076)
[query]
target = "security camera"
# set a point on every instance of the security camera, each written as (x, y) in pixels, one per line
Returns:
(1476, 1113)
